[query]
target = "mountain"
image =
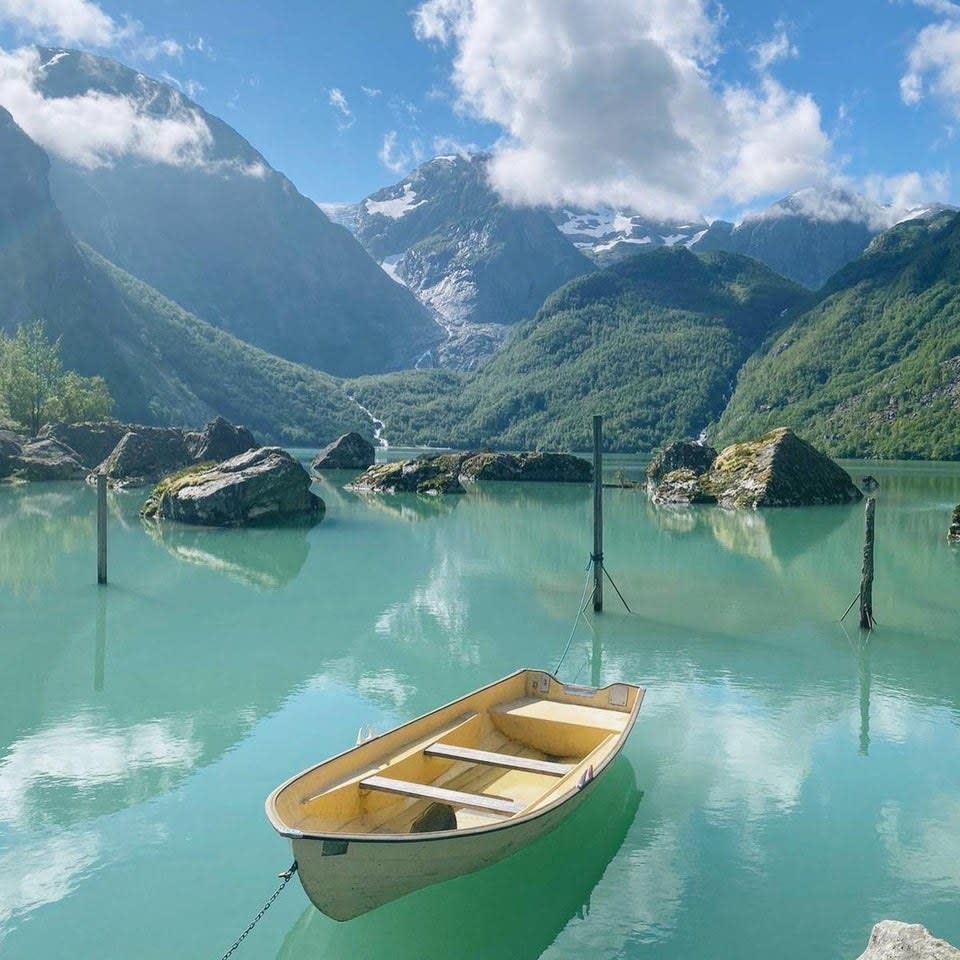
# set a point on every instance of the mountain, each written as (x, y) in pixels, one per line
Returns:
(479, 264)
(809, 235)
(607, 235)
(653, 342)
(873, 369)
(216, 229)
(162, 365)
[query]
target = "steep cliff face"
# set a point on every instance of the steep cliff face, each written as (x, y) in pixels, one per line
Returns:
(162, 365)
(216, 229)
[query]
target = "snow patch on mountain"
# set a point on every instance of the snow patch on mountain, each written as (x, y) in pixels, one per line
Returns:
(395, 207)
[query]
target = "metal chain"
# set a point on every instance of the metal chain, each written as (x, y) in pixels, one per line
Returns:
(286, 875)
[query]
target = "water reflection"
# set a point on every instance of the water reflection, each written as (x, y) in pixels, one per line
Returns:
(264, 558)
(37, 528)
(515, 908)
(82, 767)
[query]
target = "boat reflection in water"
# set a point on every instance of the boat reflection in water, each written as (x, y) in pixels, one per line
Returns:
(515, 908)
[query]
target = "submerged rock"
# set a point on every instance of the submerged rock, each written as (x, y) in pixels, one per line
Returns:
(953, 534)
(445, 473)
(679, 487)
(93, 441)
(260, 486)
(347, 452)
(219, 440)
(778, 470)
(440, 474)
(894, 940)
(534, 466)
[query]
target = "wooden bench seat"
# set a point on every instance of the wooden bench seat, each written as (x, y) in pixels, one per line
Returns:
(506, 760)
(475, 801)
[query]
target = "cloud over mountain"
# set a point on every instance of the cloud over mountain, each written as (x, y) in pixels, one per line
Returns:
(616, 104)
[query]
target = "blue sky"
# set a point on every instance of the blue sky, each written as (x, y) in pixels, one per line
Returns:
(659, 104)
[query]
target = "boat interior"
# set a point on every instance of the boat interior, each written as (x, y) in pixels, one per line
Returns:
(505, 751)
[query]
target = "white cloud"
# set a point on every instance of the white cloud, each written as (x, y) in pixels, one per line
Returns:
(81, 22)
(907, 192)
(614, 104)
(396, 158)
(946, 8)
(338, 101)
(371, 91)
(94, 129)
(778, 47)
(63, 21)
(933, 66)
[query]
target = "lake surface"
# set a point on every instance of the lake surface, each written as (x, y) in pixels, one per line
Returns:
(789, 782)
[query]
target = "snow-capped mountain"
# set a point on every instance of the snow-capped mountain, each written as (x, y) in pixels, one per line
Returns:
(606, 235)
(806, 236)
(478, 264)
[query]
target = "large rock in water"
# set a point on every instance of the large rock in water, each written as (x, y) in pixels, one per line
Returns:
(953, 534)
(445, 473)
(10, 446)
(347, 452)
(145, 454)
(219, 440)
(674, 472)
(778, 470)
(440, 474)
(894, 940)
(536, 466)
(46, 460)
(93, 441)
(265, 485)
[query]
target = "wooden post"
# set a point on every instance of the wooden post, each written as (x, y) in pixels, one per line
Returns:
(866, 577)
(597, 556)
(100, 656)
(101, 529)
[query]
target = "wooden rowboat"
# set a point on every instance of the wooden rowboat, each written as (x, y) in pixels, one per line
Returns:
(450, 792)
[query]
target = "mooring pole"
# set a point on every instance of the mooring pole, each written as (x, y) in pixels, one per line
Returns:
(866, 577)
(101, 528)
(597, 556)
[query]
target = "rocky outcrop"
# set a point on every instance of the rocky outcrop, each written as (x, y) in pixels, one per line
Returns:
(219, 440)
(447, 472)
(673, 472)
(778, 470)
(92, 441)
(431, 475)
(10, 447)
(144, 455)
(38, 459)
(894, 940)
(348, 452)
(261, 486)
(953, 534)
(546, 467)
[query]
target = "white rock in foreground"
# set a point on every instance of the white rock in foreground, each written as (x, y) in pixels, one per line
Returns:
(894, 940)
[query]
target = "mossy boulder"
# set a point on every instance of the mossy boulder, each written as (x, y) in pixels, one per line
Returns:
(531, 466)
(777, 470)
(440, 474)
(261, 486)
(347, 452)
(953, 534)
(144, 455)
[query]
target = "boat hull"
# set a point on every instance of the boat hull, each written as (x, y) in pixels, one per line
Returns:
(370, 873)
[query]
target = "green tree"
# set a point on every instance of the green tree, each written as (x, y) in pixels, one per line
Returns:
(34, 387)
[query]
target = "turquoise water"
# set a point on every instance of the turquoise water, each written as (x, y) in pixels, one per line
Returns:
(788, 782)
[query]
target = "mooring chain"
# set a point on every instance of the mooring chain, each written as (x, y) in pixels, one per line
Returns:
(286, 877)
